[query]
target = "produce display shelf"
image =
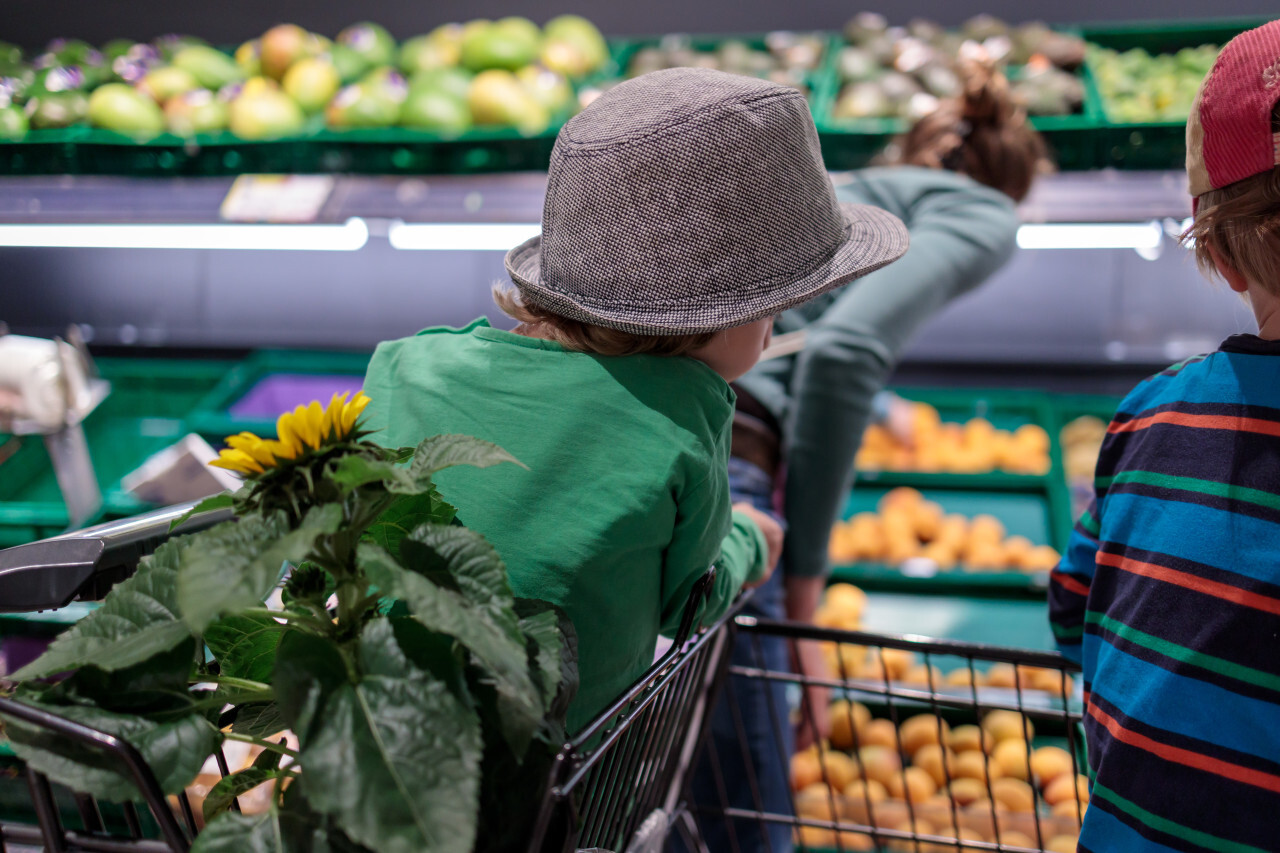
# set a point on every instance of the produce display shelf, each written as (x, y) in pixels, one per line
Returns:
(1023, 513)
(84, 150)
(1156, 144)
(144, 413)
(853, 143)
(877, 576)
(1004, 409)
(1089, 139)
(623, 50)
(1067, 408)
(298, 376)
(1017, 622)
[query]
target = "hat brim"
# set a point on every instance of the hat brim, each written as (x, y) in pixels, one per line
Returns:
(873, 239)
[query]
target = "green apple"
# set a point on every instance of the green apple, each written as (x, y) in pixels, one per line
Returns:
(372, 42)
(166, 81)
(120, 107)
(14, 124)
(212, 68)
(497, 98)
(436, 110)
(548, 88)
(362, 105)
(262, 111)
(312, 82)
(496, 46)
(57, 109)
(455, 81)
(423, 53)
(572, 45)
(195, 112)
(283, 45)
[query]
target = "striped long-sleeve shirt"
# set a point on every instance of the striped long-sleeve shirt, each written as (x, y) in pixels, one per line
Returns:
(1169, 596)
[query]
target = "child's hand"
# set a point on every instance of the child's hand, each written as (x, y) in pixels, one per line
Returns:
(772, 536)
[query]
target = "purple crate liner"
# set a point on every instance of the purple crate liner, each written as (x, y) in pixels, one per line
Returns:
(281, 392)
(16, 652)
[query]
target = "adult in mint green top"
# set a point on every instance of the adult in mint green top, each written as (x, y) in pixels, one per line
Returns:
(625, 500)
(961, 232)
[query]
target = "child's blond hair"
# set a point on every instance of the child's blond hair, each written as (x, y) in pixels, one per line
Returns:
(1241, 222)
(583, 337)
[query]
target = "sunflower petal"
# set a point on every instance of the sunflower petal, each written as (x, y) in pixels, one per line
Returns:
(312, 419)
(333, 416)
(351, 413)
(291, 445)
(254, 446)
(238, 461)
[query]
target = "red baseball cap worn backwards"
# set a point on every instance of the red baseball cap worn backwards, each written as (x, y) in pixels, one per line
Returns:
(1229, 135)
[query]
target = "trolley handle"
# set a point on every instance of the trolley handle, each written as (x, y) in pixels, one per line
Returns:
(698, 596)
(50, 573)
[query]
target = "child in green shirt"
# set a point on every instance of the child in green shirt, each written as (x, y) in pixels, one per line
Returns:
(684, 209)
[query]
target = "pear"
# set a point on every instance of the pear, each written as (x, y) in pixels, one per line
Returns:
(371, 42)
(199, 111)
(312, 82)
(497, 98)
(262, 111)
(13, 123)
(212, 68)
(166, 81)
(283, 45)
(120, 107)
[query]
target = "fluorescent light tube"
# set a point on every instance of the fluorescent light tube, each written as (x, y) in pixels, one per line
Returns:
(1105, 235)
(348, 237)
(461, 237)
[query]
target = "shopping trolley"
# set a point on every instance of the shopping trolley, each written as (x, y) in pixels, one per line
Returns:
(870, 786)
(617, 785)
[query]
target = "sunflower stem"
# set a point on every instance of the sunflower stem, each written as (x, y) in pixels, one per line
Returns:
(264, 743)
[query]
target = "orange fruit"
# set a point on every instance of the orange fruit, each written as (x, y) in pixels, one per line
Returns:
(879, 732)
(965, 790)
(847, 718)
(1011, 756)
(1004, 725)
(1066, 788)
(965, 738)
(912, 784)
(935, 760)
(1015, 794)
(975, 765)
(921, 730)
(1050, 762)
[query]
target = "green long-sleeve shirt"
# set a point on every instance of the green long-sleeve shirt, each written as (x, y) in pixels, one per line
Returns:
(961, 232)
(624, 503)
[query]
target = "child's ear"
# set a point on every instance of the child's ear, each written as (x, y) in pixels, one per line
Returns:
(1230, 274)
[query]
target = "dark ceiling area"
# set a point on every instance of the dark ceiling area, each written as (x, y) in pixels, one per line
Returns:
(32, 23)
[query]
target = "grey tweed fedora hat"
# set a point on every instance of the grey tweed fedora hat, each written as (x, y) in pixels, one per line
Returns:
(690, 200)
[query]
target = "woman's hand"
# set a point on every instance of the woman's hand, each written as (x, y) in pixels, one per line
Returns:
(772, 536)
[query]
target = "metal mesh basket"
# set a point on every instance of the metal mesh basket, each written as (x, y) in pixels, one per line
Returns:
(934, 745)
(614, 786)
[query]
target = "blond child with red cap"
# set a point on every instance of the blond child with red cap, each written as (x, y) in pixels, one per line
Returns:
(1169, 594)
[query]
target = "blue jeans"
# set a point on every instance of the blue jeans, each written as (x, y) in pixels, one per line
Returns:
(751, 739)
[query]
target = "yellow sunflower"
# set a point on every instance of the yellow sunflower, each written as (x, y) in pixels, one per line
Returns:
(306, 428)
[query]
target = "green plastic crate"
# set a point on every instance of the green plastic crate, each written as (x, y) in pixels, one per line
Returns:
(317, 149)
(144, 413)
(624, 49)
(1006, 410)
(1154, 145)
(1067, 408)
(212, 417)
(1026, 513)
(853, 143)
(1017, 622)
